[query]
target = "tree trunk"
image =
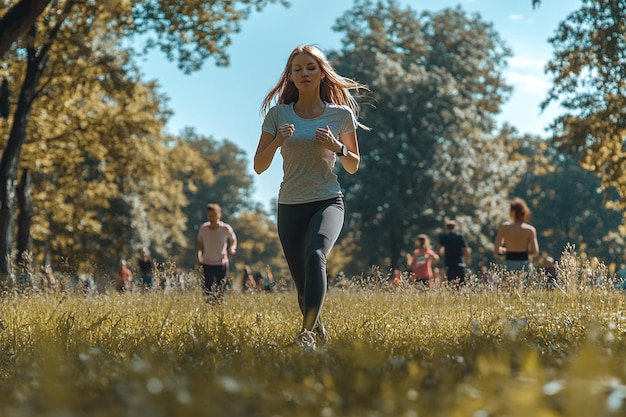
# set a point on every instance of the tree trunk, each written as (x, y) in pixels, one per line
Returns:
(17, 20)
(25, 216)
(11, 155)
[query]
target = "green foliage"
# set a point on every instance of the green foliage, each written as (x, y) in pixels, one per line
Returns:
(188, 32)
(94, 94)
(17, 20)
(230, 185)
(548, 186)
(192, 31)
(436, 81)
(258, 245)
(588, 68)
(508, 351)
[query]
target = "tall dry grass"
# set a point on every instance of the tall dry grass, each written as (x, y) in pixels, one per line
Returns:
(502, 349)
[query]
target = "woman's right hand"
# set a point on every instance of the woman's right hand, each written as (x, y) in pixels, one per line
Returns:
(268, 144)
(284, 132)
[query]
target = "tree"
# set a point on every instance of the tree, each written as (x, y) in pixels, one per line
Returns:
(17, 20)
(258, 243)
(229, 185)
(548, 185)
(437, 85)
(96, 198)
(588, 70)
(189, 32)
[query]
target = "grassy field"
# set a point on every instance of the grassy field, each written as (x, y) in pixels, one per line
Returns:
(495, 351)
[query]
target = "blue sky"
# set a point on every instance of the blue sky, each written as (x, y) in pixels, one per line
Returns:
(225, 102)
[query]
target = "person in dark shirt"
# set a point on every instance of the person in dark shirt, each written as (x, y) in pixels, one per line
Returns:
(453, 248)
(145, 265)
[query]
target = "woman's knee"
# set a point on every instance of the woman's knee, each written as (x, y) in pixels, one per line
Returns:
(316, 258)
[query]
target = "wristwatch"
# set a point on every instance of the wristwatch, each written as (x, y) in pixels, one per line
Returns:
(344, 150)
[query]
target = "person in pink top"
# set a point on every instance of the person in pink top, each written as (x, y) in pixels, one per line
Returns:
(420, 261)
(124, 277)
(216, 240)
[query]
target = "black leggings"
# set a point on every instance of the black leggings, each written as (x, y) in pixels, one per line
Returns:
(307, 233)
(214, 276)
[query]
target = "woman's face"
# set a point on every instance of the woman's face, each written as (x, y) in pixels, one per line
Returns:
(305, 72)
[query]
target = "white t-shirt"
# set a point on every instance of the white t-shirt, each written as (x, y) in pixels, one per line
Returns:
(307, 166)
(215, 243)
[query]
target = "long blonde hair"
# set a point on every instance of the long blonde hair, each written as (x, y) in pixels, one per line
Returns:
(334, 88)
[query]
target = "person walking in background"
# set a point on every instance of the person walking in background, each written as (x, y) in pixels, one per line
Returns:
(396, 278)
(550, 271)
(257, 281)
(216, 240)
(249, 280)
(621, 277)
(438, 276)
(145, 264)
(49, 280)
(124, 277)
(485, 275)
(453, 248)
(420, 261)
(516, 239)
(269, 284)
(313, 122)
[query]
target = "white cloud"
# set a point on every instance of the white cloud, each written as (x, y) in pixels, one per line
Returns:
(524, 63)
(516, 17)
(525, 83)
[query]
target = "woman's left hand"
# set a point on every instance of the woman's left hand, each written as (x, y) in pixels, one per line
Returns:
(324, 136)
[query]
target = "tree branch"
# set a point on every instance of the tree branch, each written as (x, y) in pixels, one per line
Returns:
(17, 20)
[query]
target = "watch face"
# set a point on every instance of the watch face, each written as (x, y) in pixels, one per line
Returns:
(344, 150)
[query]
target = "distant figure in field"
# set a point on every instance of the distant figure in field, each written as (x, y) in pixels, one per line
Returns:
(621, 276)
(178, 280)
(250, 279)
(86, 284)
(396, 279)
(516, 239)
(258, 281)
(124, 277)
(550, 269)
(216, 241)
(267, 284)
(420, 261)
(453, 248)
(145, 265)
(485, 275)
(438, 276)
(49, 280)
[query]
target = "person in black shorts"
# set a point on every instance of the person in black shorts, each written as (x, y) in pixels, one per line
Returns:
(453, 248)
(145, 265)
